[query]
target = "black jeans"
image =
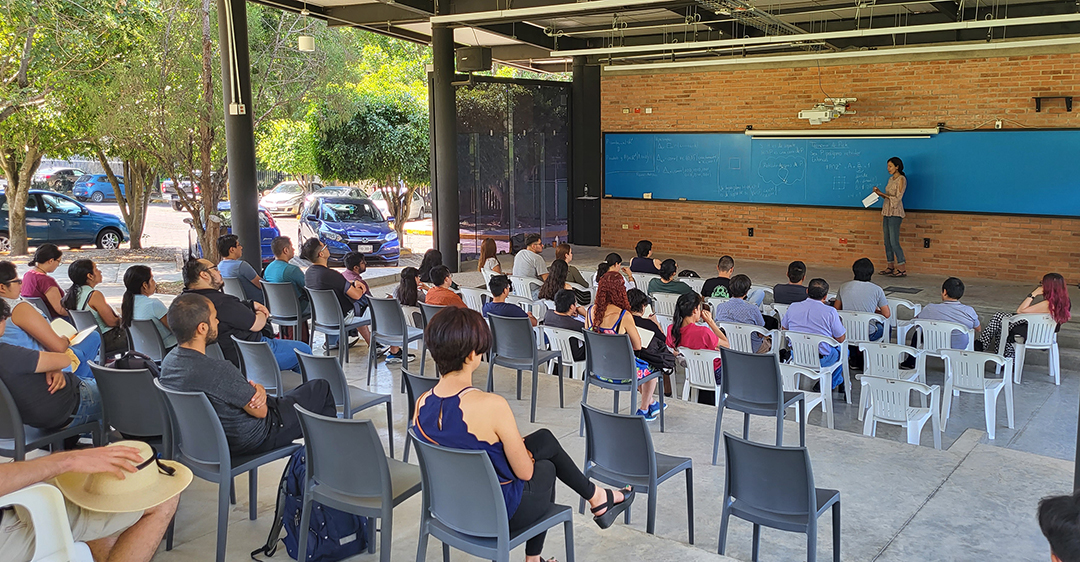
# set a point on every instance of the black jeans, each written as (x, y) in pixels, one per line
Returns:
(313, 396)
(539, 494)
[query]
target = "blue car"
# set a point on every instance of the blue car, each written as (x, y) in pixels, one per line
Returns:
(350, 224)
(56, 218)
(268, 230)
(96, 188)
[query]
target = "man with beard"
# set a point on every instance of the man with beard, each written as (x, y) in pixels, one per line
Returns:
(253, 422)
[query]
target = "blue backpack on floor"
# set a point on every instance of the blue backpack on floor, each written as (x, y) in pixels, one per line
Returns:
(332, 535)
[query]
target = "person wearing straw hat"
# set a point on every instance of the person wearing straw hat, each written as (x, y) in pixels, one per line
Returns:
(119, 499)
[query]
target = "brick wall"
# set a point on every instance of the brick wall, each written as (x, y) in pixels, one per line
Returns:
(964, 94)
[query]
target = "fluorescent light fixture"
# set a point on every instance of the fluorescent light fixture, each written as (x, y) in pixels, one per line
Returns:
(542, 11)
(824, 36)
(883, 52)
(845, 133)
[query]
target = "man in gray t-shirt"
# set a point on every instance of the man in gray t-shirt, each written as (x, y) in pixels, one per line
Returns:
(529, 262)
(861, 295)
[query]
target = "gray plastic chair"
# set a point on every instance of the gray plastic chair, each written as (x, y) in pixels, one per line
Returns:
(427, 311)
(388, 327)
(201, 446)
(350, 399)
(464, 507)
(415, 387)
(513, 345)
(357, 478)
(143, 336)
(612, 356)
(774, 486)
(327, 318)
(619, 452)
(752, 384)
(39, 303)
(259, 365)
(16, 438)
(214, 350)
(84, 319)
(284, 306)
(234, 287)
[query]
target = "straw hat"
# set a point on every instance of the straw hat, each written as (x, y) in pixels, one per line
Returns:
(145, 488)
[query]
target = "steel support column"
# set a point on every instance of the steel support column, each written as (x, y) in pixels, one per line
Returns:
(446, 217)
(585, 150)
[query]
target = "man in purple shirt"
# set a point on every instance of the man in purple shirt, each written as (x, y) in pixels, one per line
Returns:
(814, 316)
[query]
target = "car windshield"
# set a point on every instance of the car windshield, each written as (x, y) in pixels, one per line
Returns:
(288, 188)
(84, 178)
(350, 212)
(226, 219)
(61, 205)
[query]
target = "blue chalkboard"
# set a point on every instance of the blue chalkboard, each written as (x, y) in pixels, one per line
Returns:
(1009, 172)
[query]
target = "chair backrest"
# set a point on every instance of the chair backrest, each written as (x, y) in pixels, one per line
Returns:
(857, 325)
(427, 311)
(415, 387)
(198, 431)
(258, 364)
(83, 319)
(696, 283)
(474, 298)
(39, 303)
(143, 336)
(763, 288)
(895, 304)
(665, 323)
(968, 368)
(387, 318)
(522, 286)
(281, 299)
(512, 337)
(642, 280)
(52, 531)
(413, 317)
(488, 273)
(751, 378)
(804, 348)
(461, 491)
(715, 302)
(780, 309)
(561, 339)
(884, 359)
(233, 287)
(935, 335)
(891, 398)
(130, 402)
(535, 307)
(327, 368)
(789, 376)
(770, 479)
(618, 444)
(699, 367)
(325, 309)
(214, 350)
(609, 355)
(358, 469)
(1041, 330)
(11, 425)
(740, 336)
(665, 304)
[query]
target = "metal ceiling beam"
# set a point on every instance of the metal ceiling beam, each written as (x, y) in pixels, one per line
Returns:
(533, 35)
(364, 14)
(549, 11)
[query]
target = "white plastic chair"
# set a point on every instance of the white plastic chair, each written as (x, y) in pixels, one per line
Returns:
(715, 302)
(665, 304)
(857, 327)
(488, 274)
(1041, 335)
(665, 322)
(414, 319)
(740, 336)
(790, 375)
(523, 286)
(641, 280)
(780, 310)
(884, 360)
(474, 298)
(559, 339)
(52, 532)
(895, 304)
(700, 374)
(696, 283)
(935, 335)
(804, 353)
(965, 371)
(890, 401)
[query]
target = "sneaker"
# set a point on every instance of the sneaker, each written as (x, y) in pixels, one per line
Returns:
(649, 415)
(654, 408)
(396, 357)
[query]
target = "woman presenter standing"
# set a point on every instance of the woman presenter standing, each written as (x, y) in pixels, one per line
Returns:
(892, 213)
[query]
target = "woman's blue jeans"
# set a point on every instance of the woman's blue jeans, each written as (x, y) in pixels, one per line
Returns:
(891, 228)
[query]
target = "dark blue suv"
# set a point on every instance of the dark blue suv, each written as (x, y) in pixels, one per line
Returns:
(350, 224)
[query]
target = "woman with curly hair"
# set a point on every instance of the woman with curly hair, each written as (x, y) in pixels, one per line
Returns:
(1050, 297)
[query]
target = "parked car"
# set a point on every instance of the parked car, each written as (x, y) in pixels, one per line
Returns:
(56, 218)
(96, 188)
(169, 188)
(58, 179)
(416, 212)
(337, 191)
(350, 224)
(287, 198)
(268, 230)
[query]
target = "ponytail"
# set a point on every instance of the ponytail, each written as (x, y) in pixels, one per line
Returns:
(684, 308)
(78, 272)
(135, 278)
(896, 161)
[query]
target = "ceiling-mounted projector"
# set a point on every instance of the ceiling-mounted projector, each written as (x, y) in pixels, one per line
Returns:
(828, 110)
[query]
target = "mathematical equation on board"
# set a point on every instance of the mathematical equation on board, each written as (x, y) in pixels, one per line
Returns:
(835, 163)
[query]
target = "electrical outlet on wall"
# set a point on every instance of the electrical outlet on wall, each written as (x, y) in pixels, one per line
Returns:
(925, 242)
(750, 232)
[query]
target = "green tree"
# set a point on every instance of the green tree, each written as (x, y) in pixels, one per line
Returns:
(288, 146)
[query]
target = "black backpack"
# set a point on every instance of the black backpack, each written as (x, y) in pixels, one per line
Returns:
(135, 360)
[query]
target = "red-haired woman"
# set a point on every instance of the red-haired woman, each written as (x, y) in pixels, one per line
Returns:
(606, 317)
(1050, 297)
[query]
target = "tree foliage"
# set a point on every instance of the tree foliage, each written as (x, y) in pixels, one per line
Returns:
(288, 146)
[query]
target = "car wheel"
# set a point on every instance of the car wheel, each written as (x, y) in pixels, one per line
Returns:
(97, 197)
(5, 242)
(109, 239)
(176, 205)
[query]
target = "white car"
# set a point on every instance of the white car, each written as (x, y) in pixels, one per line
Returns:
(416, 212)
(286, 198)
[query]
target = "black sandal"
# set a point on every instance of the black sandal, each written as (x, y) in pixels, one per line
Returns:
(898, 273)
(613, 509)
(887, 271)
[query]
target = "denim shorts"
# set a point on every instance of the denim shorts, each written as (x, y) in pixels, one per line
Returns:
(89, 403)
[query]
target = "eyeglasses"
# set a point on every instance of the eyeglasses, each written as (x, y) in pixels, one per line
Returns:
(10, 281)
(154, 458)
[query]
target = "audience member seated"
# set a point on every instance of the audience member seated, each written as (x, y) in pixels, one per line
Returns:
(441, 294)
(737, 310)
(686, 332)
(568, 316)
(566, 253)
(253, 421)
(47, 397)
(349, 293)
(667, 283)
(82, 295)
(355, 266)
(719, 286)
(244, 319)
(528, 262)
(139, 303)
(410, 291)
(1050, 297)
(37, 282)
(606, 316)
(951, 309)
(281, 270)
(793, 290)
(613, 262)
(128, 536)
(643, 262)
(500, 289)
(431, 259)
(557, 281)
(455, 414)
(488, 259)
(862, 295)
(656, 352)
(29, 328)
(814, 316)
(1059, 519)
(232, 265)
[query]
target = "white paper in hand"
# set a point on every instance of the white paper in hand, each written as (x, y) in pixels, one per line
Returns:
(870, 200)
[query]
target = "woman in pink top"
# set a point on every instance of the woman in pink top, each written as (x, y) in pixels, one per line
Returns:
(686, 332)
(38, 283)
(892, 214)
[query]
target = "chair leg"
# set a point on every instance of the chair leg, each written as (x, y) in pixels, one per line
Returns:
(169, 534)
(990, 406)
(559, 366)
(253, 493)
(223, 516)
(387, 538)
(1020, 350)
(616, 403)
(584, 400)
(690, 503)
(421, 545)
(423, 360)
(779, 427)
(371, 535)
(390, 426)
(716, 433)
(232, 491)
(519, 384)
(756, 545)
(661, 387)
(811, 543)
(408, 443)
(532, 400)
(568, 533)
(746, 426)
(446, 552)
(1009, 403)
(491, 375)
(305, 523)
(836, 531)
(370, 359)
(722, 539)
